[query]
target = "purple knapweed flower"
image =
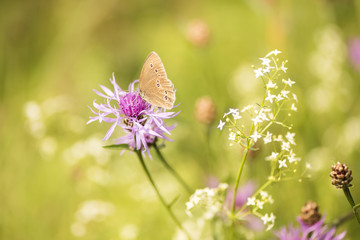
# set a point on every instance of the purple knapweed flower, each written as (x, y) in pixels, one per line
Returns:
(317, 231)
(141, 122)
(354, 52)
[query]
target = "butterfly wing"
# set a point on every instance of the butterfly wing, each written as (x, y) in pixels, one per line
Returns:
(154, 85)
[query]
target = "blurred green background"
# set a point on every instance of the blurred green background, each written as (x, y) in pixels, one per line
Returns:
(56, 181)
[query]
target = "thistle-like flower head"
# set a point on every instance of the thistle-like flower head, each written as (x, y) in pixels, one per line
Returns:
(142, 123)
(310, 213)
(341, 175)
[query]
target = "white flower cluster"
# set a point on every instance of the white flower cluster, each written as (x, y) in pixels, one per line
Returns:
(257, 202)
(255, 122)
(277, 96)
(207, 202)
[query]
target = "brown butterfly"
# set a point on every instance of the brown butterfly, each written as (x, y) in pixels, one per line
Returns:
(154, 86)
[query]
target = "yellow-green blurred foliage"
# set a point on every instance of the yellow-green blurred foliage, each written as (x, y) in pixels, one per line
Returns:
(56, 181)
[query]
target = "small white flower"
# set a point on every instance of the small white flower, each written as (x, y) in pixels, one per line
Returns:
(270, 84)
(258, 72)
(283, 68)
(273, 156)
(236, 116)
(250, 201)
(267, 138)
(264, 194)
(292, 157)
(290, 137)
(232, 136)
(295, 97)
(256, 120)
(275, 52)
(221, 125)
(288, 82)
(270, 199)
(279, 138)
(269, 219)
(262, 115)
(293, 107)
(270, 97)
(260, 204)
(231, 111)
(282, 163)
(267, 69)
(279, 97)
(285, 146)
(285, 93)
(255, 136)
(265, 61)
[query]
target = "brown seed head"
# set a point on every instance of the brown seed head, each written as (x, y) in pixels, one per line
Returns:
(198, 33)
(341, 175)
(310, 213)
(205, 110)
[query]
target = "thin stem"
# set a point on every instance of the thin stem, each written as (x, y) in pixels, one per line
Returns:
(171, 170)
(246, 150)
(235, 191)
(172, 215)
(342, 219)
(352, 203)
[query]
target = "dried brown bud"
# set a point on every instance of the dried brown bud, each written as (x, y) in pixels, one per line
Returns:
(341, 175)
(310, 213)
(205, 110)
(198, 33)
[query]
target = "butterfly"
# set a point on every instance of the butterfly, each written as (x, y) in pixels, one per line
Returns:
(154, 86)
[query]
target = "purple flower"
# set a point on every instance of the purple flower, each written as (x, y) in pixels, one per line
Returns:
(354, 51)
(317, 231)
(141, 122)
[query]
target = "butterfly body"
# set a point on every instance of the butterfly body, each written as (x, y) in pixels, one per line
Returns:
(154, 85)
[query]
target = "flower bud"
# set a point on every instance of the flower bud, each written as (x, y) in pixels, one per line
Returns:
(198, 33)
(205, 110)
(310, 213)
(341, 175)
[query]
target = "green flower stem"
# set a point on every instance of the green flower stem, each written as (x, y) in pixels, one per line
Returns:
(235, 191)
(342, 219)
(246, 151)
(172, 215)
(172, 171)
(356, 206)
(352, 203)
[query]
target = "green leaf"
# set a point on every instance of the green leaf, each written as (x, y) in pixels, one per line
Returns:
(117, 147)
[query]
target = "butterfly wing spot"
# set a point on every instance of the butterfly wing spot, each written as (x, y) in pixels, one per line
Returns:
(156, 70)
(165, 92)
(166, 98)
(158, 81)
(151, 65)
(158, 84)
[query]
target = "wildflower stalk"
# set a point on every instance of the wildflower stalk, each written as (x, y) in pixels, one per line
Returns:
(246, 151)
(171, 170)
(235, 191)
(168, 208)
(352, 203)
